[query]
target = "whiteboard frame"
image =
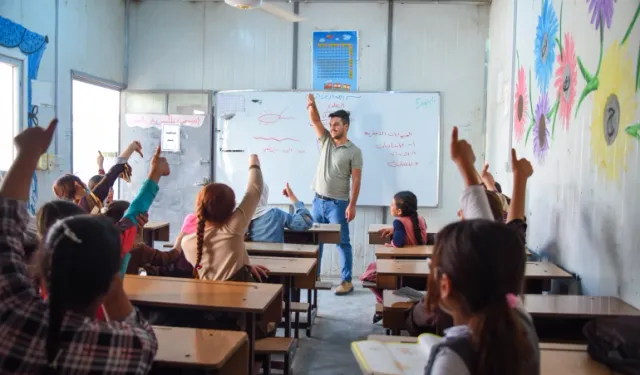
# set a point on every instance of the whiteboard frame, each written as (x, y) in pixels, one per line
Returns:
(440, 147)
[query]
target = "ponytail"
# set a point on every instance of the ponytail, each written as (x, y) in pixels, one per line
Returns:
(500, 340)
(200, 243)
(415, 220)
(57, 287)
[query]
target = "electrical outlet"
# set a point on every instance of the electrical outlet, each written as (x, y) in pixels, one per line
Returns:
(43, 162)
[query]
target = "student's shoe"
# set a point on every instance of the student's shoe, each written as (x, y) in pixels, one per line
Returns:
(345, 287)
(377, 317)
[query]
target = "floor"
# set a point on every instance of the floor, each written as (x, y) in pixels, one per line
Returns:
(341, 320)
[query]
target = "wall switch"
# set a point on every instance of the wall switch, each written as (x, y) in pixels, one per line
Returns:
(43, 162)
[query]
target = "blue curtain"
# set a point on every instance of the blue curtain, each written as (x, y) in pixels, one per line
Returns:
(13, 35)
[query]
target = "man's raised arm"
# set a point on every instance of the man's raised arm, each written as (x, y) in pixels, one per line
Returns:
(314, 116)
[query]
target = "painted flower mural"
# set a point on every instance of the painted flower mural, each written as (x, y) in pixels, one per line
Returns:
(601, 12)
(545, 44)
(521, 105)
(614, 108)
(541, 133)
(566, 78)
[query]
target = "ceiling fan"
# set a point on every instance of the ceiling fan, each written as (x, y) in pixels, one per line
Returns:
(266, 7)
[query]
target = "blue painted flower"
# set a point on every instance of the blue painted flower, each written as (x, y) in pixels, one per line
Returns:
(545, 44)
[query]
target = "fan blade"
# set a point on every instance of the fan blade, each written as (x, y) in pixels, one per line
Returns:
(275, 10)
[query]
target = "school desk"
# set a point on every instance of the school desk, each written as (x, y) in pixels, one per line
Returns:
(214, 351)
(308, 282)
(561, 317)
(394, 312)
(540, 274)
(252, 299)
(288, 269)
(408, 252)
(155, 231)
(391, 273)
(563, 359)
(319, 233)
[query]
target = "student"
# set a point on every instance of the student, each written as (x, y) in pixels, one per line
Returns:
(268, 224)
(217, 250)
(81, 263)
(475, 205)
(409, 229)
(476, 271)
(95, 180)
(70, 187)
(143, 256)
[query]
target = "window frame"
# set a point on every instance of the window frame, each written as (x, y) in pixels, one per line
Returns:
(19, 108)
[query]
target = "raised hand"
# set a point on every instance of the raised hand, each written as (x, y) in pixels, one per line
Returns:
(137, 147)
(521, 167)
(100, 160)
(311, 101)
(35, 141)
(461, 151)
(254, 160)
(159, 165)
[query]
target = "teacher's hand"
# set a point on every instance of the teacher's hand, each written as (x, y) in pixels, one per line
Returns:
(350, 213)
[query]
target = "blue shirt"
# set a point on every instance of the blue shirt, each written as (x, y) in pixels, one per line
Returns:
(270, 226)
(399, 235)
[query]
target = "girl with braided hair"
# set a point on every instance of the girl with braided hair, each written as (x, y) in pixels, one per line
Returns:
(217, 250)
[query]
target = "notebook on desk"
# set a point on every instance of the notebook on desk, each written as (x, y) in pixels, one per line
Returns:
(394, 358)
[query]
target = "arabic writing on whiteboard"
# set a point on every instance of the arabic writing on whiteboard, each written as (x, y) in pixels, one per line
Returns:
(388, 134)
(149, 121)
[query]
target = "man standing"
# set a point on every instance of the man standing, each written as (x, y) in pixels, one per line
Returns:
(340, 163)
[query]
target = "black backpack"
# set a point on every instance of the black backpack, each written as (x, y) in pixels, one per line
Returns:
(615, 342)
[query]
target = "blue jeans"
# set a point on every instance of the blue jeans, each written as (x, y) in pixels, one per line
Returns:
(333, 212)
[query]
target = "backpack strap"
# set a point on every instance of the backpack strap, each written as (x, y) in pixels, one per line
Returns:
(459, 345)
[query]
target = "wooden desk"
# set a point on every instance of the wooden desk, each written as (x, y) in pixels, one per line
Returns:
(562, 318)
(545, 270)
(394, 311)
(562, 359)
(282, 249)
(414, 252)
(288, 269)
(219, 352)
(319, 233)
(390, 272)
(249, 298)
(374, 236)
(155, 231)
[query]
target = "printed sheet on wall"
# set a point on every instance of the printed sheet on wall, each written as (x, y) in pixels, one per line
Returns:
(398, 133)
(335, 60)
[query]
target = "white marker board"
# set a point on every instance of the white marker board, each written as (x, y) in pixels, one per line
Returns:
(398, 133)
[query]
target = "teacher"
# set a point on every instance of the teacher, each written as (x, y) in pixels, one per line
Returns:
(340, 164)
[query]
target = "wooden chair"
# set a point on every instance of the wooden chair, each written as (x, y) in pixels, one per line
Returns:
(269, 346)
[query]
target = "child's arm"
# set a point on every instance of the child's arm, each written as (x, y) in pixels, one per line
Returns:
(399, 238)
(147, 193)
(474, 201)
(14, 194)
(100, 162)
(101, 190)
(522, 170)
(242, 215)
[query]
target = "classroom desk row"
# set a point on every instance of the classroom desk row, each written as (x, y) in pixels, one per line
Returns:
(555, 359)
(390, 272)
(556, 317)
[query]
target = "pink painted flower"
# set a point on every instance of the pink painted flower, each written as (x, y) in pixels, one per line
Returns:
(566, 78)
(520, 105)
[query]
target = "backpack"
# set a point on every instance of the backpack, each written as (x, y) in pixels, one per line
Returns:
(615, 342)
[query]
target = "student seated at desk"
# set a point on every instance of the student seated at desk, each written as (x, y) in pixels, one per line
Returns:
(475, 205)
(81, 264)
(268, 224)
(409, 229)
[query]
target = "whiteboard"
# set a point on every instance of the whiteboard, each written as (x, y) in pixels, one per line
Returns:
(398, 133)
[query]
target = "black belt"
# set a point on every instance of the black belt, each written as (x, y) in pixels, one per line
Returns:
(325, 198)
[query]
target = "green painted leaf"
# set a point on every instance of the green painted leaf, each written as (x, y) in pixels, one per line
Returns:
(633, 130)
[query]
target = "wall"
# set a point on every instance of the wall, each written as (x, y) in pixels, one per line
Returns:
(583, 191)
(90, 40)
(212, 46)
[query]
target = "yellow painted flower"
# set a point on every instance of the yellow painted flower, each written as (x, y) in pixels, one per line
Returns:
(614, 108)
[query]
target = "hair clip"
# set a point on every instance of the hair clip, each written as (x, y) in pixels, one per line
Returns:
(69, 233)
(199, 267)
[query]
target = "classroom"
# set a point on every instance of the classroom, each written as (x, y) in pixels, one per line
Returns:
(319, 186)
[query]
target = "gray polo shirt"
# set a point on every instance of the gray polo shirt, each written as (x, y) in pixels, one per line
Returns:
(333, 174)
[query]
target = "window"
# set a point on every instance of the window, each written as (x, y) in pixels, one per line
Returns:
(9, 110)
(96, 127)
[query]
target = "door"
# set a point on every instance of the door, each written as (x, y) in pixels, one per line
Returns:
(145, 115)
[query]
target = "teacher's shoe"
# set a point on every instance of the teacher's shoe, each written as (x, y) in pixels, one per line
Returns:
(345, 287)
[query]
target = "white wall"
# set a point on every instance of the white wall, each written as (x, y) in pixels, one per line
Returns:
(212, 46)
(582, 201)
(91, 40)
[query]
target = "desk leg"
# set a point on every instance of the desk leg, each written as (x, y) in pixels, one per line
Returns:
(288, 280)
(251, 332)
